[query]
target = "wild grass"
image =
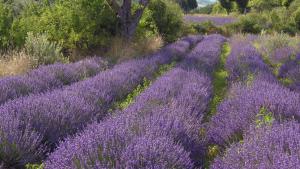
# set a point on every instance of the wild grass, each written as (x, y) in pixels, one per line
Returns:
(14, 63)
(121, 50)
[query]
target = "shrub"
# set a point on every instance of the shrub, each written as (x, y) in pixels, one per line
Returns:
(168, 19)
(6, 20)
(42, 50)
(281, 21)
(251, 23)
(218, 9)
(280, 43)
(74, 24)
(261, 5)
(147, 27)
(206, 28)
(297, 18)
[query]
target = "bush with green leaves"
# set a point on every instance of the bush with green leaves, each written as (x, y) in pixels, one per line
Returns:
(147, 27)
(218, 9)
(41, 50)
(168, 18)
(72, 23)
(297, 18)
(6, 19)
(207, 27)
(250, 23)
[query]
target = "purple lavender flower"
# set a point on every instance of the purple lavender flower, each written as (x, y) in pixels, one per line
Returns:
(62, 112)
(275, 146)
(206, 54)
(238, 112)
(281, 54)
(172, 108)
(244, 60)
(49, 77)
(298, 57)
(156, 153)
(218, 21)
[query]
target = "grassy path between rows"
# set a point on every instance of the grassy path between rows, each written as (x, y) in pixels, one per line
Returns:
(220, 83)
(220, 86)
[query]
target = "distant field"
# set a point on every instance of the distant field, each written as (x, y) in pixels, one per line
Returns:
(217, 20)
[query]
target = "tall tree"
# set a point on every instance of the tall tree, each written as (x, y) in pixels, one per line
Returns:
(242, 5)
(227, 4)
(187, 5)
(129, 20)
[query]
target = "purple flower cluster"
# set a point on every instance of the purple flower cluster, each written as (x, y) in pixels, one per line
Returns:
(48, 77)
(160, 150)
(275, 147)
(281, 54)
(205, 57)
(244, 101)
(159, 130)
(29, 122)
(291, 70)
(239, 111)
(218, 21)
(244, 60)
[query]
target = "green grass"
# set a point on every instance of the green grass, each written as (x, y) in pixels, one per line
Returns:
(123, 104)
(264, 117)
(34, 166)
(220, 83)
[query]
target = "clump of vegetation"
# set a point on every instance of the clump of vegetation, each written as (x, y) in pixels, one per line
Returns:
(14, 63)
(41, 50)
(168, 19)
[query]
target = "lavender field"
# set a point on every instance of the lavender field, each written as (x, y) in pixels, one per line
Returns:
(149, 84)
(201, 102)
(216, 20)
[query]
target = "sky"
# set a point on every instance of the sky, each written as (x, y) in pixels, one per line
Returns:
(205, 2)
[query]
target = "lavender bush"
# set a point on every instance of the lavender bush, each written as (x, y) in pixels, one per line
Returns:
(155, 152)
(244, 60)
(48, 77)
(218, 21)
(206, 54)
(245, 100)
(171, 108)
(291, 71)
(275, 146)
(52, 116)
(236, 114)
(112, 135)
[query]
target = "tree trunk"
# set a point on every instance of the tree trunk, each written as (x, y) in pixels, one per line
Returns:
(128, 21)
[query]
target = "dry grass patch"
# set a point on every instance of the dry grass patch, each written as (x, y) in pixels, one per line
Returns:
(121, 50)
(14, 63)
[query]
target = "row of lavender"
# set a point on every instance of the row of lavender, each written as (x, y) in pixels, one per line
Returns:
(48, 77)
(291, 71)
(159, 130)
(31, 126)
(255, 98)
(217, 20)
